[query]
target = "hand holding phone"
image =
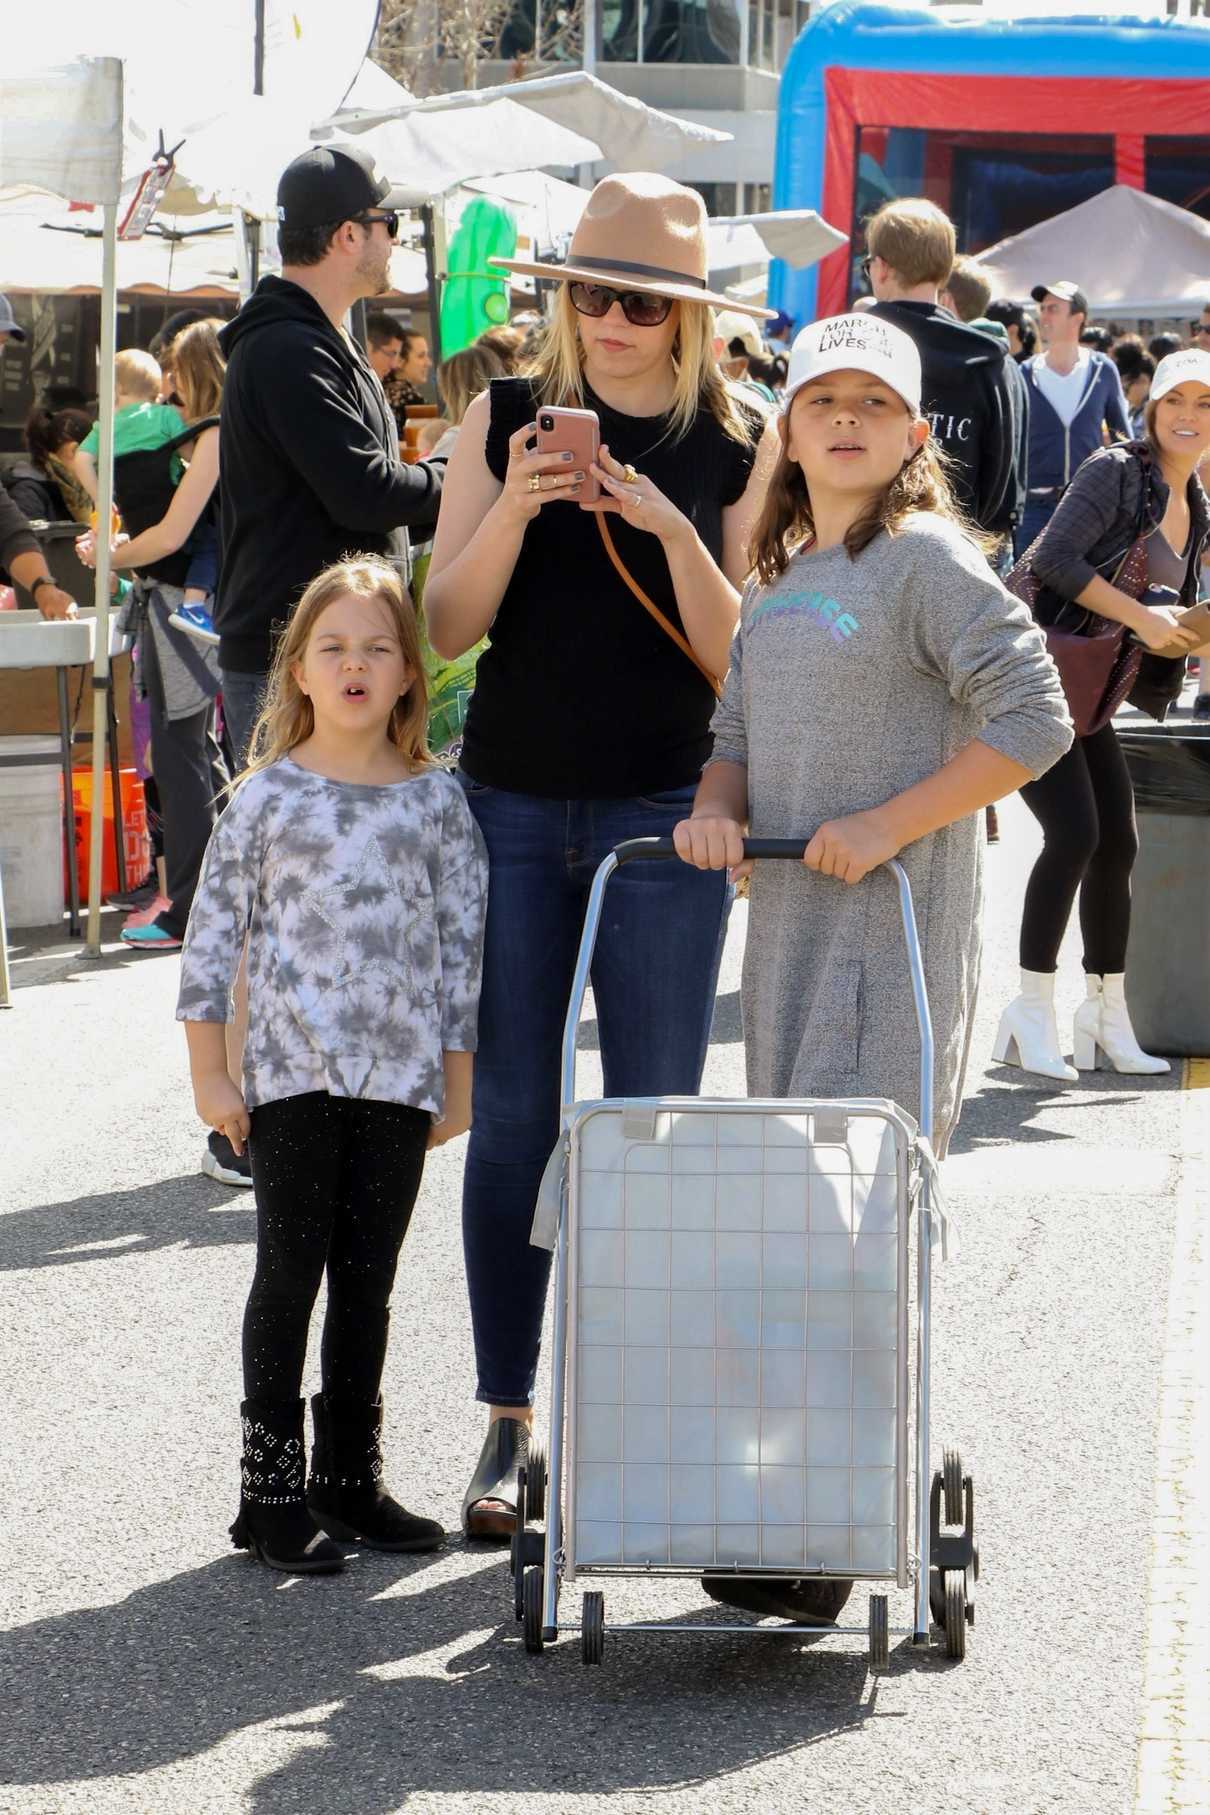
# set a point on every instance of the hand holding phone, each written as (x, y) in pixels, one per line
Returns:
(578, 432)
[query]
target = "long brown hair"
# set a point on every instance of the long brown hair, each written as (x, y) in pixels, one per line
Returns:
(287, 717)
(558, 369)
(786, 523)
(198, 369)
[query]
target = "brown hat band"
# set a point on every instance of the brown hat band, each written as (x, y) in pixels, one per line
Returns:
(656, 273)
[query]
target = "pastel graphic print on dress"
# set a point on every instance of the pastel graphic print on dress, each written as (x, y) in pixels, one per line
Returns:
(817, 607)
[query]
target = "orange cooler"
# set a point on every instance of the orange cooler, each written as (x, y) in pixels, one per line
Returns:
(135, 842)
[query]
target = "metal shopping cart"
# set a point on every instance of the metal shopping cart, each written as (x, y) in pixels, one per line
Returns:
(730, 1372)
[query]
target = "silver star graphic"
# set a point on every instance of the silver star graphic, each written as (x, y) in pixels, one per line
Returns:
(334, 904)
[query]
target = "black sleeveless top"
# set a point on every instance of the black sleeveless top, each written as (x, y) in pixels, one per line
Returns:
(581, 695)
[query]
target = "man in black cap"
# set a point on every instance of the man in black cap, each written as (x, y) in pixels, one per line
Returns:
(1074, 392)
(308, 448)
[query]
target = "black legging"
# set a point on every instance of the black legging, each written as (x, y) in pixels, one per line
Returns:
(189, 774)
(335, 1179)
(1085, 807)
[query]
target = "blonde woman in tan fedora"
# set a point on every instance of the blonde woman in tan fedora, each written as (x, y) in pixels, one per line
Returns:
(589, 722)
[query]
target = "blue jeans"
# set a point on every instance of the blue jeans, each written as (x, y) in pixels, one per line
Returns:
(653, 976)
(243, 695)
(1034, 518)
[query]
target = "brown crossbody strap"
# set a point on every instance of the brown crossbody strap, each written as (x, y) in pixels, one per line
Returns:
(653, 609)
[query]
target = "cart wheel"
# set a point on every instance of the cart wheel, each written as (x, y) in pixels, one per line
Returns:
(951, 1480)
(880, 1643)
(535, 1483)
(592, 1628)
(532, 1594)
(955, 1614)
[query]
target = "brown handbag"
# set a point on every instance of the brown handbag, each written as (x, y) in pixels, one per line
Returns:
(1098, 660)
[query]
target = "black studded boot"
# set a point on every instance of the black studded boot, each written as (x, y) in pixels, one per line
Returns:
(345, 1491)
(273, 1521)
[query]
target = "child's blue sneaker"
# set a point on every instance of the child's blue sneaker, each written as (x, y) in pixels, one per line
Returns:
(151, 938)
(197, 621)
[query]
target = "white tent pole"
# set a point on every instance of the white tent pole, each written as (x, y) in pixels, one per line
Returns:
(100, 676)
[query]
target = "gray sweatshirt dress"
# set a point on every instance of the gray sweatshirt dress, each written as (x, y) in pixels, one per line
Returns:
(850, 681)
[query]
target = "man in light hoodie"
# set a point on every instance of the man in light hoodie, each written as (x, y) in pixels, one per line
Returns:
(1075, 393)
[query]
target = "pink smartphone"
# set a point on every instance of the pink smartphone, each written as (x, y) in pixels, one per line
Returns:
(578, 431)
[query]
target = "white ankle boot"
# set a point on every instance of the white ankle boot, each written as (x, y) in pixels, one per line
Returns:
(1029, 1033)
(1104, 1038)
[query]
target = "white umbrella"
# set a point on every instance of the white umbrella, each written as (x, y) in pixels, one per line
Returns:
(797, 235)
(48, 248)
(429, 155)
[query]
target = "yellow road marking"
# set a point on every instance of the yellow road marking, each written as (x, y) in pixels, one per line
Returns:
(1197, 1074)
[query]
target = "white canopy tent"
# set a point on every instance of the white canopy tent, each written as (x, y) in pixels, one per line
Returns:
(1131, 254)
(61, 130)
(628, 133)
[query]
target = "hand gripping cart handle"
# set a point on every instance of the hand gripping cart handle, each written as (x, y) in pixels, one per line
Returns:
(935, 1571)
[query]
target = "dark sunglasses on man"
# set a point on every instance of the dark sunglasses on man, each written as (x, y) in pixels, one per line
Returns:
(389, 219)
(1202, 328)
(640, 309)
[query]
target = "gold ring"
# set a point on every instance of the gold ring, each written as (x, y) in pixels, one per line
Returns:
(535, 482)
(629, 476)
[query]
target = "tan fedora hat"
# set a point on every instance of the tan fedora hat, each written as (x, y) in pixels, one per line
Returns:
(640, 231)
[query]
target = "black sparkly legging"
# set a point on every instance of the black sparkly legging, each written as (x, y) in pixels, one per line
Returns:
(1085, 807)
(335, 1179)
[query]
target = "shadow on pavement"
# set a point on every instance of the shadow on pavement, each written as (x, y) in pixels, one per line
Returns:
(997, 1113)
(177, 1668)
(161, 1215)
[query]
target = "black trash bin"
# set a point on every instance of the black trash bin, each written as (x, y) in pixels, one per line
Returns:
(1168, 970)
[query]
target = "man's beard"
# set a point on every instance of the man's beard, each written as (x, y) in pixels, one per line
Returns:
(375, 274)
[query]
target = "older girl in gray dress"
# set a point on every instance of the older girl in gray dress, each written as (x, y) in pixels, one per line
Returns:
(884, 689)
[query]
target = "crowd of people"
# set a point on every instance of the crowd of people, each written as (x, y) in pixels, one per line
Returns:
(823, 585)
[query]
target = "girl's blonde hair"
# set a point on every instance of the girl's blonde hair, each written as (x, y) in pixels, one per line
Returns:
(287, 717)
(463, 375)
(198, 369)
(558, 369)
(786, 523)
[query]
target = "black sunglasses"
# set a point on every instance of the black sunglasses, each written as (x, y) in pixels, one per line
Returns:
(389, 219)
(866, 262)
(1203, 327)
(640, 310)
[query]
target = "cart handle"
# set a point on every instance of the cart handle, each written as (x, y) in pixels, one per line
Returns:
(791, 849)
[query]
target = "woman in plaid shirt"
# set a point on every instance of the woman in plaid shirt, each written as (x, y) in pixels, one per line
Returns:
(1085, 804)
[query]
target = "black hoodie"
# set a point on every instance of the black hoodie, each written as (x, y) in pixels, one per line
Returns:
(975, 407)
(309, 456)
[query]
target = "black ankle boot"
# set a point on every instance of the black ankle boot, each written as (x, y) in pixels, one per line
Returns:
(345, 1490)
(799, 1598)
(273, 1521)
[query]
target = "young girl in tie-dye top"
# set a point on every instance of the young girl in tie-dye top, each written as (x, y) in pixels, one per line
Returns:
(353, 868)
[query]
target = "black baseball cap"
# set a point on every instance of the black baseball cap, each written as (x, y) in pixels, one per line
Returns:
(1066, 292)
(333, 183)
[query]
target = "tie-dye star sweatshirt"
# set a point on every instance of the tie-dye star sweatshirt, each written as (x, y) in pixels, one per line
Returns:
(364, 908)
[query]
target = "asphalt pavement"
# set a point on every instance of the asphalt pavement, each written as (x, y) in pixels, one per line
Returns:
(145, 1665)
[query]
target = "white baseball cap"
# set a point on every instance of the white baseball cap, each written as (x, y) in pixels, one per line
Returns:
(1190, 366)
(729, 326)
(861, 343)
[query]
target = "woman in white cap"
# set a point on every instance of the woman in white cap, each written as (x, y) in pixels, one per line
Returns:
(884, 688)
(590, 720)
(1085, 805)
